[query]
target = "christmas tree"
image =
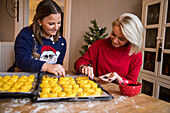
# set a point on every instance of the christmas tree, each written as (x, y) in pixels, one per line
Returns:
(95, 33)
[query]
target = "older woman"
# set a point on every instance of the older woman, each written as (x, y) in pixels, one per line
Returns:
(118, 56)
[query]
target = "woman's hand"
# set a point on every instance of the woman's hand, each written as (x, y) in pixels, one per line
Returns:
(87, 70)
(56, 69)
(113, 76)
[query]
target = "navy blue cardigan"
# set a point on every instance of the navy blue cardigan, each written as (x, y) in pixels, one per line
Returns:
(25, 45)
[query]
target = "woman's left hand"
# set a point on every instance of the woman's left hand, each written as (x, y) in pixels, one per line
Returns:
(113, 76)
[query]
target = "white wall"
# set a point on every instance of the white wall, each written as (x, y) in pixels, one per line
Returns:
(7, 56)
(104, 11)
(7, 23)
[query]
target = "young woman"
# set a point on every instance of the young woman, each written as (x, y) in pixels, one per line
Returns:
(39, 47)
(118, 56)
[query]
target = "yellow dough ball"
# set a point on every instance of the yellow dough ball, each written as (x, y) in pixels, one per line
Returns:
(67, 86)
(7, 77)
(64, 78)
(67, 89)
(82, 94)
(30, 80)
(1, 89)
(46, 90)
(12, 90)
(13, 79)
(54, 78)
(75, 86)
(45, 81)
(84, 81)
(62, 82)
(31, 76)
(43, 95)
(29, 86)
(79, 81)
(8, 83)
(88, 90)
(17, 85)
(90, 81)
(94, 85)
(78, 90)
(56, 89)
(15, 76)
(71, 79)
(27, 82)
(56, 85)
(52, 84)
(82, 85)
(70, 94)
(82, 78)
(46, 78)
(1, 77)
(43, 85)
(61, 94)
(96, 93)
(52, 95)
(5, 87)
(72, 82)
(24, 89)
(24, 77)
(98, 90)
(1, 83)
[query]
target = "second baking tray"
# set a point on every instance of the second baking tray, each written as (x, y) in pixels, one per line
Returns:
(17, 94)
(104, 95)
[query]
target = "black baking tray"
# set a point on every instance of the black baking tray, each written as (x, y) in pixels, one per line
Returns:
(6, 94)
(105, 95)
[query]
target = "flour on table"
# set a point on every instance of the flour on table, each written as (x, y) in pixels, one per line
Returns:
(120, 99)
(40, 108)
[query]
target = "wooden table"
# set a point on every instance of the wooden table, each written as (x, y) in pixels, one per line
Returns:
(120, 104)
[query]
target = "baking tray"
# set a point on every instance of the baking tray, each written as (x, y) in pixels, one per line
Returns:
(104, 94)
(6, 94)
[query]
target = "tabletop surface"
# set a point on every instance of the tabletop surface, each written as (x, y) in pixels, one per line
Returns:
(140, 103)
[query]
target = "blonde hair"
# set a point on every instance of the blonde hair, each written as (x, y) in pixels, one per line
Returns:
(132, 29)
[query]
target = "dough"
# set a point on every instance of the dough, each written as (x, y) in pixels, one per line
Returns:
(61, 94)
(70, 94)
(82, 94)
(43, 95)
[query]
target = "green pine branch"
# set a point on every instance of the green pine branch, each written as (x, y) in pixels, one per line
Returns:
(95, 33)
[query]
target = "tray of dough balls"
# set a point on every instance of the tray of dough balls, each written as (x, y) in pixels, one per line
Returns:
(17, 84)
(69, 88)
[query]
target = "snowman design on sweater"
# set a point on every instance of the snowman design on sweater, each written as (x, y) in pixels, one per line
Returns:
(49, 54)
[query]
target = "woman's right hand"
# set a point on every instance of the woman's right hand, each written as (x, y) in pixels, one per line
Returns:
(87, 70)
(56, 69)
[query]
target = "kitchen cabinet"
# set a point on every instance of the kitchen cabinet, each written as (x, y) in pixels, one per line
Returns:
(155, 71)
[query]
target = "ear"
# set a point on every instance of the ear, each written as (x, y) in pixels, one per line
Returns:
(39, 22)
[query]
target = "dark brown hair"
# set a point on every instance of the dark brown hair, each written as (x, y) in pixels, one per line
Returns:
(44, 9)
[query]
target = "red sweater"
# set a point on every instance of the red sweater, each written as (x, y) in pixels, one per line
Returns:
(105, 58)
